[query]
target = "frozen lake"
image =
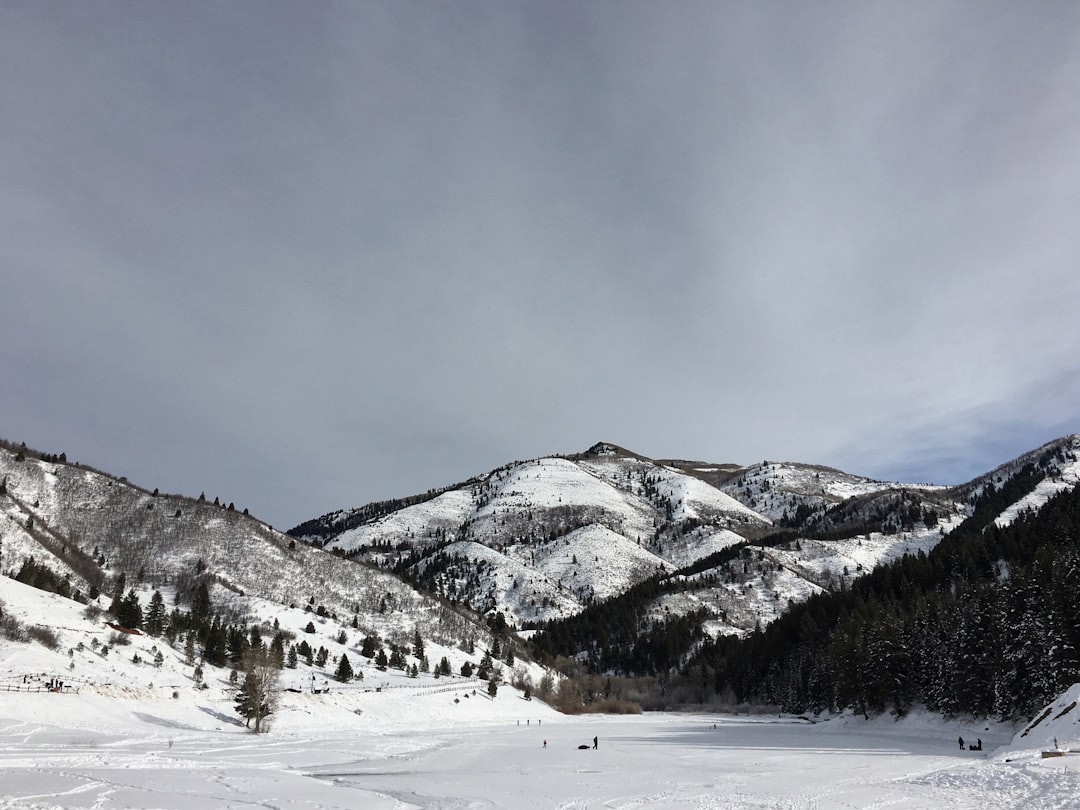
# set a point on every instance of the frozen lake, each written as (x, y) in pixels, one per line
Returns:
(654, 761)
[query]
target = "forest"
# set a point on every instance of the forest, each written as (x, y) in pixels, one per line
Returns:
(986, 624)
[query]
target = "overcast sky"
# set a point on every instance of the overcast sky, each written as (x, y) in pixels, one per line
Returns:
(302, 256)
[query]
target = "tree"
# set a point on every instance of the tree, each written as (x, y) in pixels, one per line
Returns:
(277, 650)
(257, 698)
(118, 594)
(154, 620)
(418, 645)
(369, 647)
(397, 659)
(381, 662)
(201, 607)
(344, 671)
(493, 687)
(129, 613)
(292, 660)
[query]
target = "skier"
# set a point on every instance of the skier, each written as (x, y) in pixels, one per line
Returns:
(545, 743)
(961, 743)
(595, 743)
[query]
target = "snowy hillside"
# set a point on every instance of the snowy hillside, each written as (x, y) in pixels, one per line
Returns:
(1066, 475)
(541, 539)
(120, 734)
(779, 489)
(544, 539)
(88, 528)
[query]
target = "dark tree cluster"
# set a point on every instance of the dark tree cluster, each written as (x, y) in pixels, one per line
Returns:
(988, 623)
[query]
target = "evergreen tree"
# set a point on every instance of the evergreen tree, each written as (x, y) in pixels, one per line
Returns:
(155, 619)
(118, 594)
(277, 650)
(129, 614)
(201, 608)
(344, 671)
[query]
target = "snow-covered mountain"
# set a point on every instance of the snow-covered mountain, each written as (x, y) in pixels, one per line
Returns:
(87, 528)
(543, 539)
(534, 540)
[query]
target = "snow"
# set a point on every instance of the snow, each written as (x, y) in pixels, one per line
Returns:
(1068, 476)
(127, 735)
(446, 511)
(77, 751)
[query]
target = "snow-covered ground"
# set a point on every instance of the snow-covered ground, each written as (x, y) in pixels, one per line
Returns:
(84, 751)
(134, 735)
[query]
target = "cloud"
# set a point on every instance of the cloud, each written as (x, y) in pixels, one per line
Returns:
(310, 257)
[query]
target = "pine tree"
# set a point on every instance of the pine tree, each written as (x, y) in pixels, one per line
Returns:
(201, 608)
(369, 647)
(130, 613)
(154, 621)
(118, 594)
(344, 671)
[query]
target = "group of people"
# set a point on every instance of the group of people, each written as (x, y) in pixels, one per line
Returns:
(977, 746)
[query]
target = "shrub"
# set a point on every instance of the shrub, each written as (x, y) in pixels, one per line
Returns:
(11, 629)
(45, 636)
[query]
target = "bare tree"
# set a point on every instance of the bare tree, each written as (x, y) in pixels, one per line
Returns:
(258, 696)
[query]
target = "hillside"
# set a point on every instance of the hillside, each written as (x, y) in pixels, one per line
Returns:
(543, 539)
(87, 529)
(630, 565)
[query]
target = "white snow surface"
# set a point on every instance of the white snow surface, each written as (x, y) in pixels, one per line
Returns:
(133, 735)
(1068, 477)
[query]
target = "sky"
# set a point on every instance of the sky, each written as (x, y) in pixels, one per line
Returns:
(304, 256)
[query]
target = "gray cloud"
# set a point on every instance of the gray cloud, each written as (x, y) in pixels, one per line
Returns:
(306, 256)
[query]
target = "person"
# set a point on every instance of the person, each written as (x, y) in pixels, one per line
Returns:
(595, 742)
(545, 743)
(978, 744)
(961, 743)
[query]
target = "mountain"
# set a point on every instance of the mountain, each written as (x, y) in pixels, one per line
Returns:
(545, 539)
(627, 563)
(84, 529)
